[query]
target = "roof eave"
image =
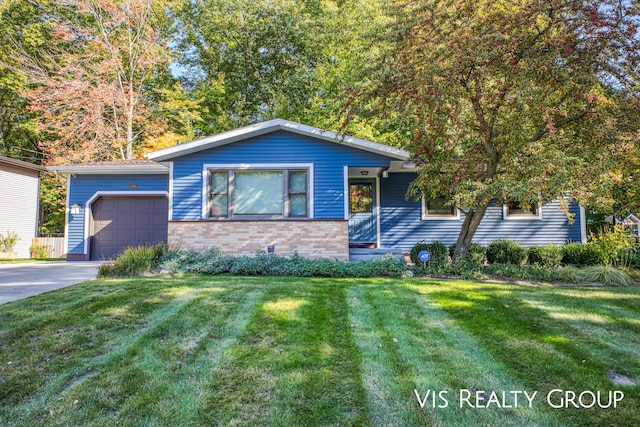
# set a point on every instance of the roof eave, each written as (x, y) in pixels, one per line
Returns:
(21, 164)
(120, 170)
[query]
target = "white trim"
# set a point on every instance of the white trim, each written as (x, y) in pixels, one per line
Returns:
(507, 217)
(97, 194)
(204, 199)
(170, 191)
(273, 126)
(248, 166)
(583, 225)
(424, 216)
(346, 192)
(66, 218)
(378, 212)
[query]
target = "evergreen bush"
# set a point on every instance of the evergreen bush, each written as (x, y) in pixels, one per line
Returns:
(475, 254)
(439, 253)
(580, 255)
(546, 256)
(506, 252)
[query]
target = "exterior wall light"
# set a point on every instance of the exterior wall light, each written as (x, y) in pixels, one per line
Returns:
(74, 209)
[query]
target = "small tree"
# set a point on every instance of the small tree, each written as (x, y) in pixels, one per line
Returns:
(8, 241)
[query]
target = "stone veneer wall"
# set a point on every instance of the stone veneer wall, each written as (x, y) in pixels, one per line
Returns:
(311, 239)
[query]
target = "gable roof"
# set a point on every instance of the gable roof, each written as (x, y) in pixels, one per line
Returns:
(275, 125)
(20, 164)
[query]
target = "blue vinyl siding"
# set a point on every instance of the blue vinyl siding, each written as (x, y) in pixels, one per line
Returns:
(402, 226)
(83, 187)
(328, 158)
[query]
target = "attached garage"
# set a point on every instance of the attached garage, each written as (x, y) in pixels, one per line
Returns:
(118, 222)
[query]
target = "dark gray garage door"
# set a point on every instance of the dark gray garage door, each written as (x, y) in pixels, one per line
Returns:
(119, 222)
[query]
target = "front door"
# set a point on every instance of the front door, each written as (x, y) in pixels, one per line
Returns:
(362, 212)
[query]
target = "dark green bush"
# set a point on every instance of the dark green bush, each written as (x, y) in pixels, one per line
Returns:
(134, 261)
(439, 253)
(210, 261)
(581, 255)
(546, 256)
(506, 252)
(213, 261)
(475, 254)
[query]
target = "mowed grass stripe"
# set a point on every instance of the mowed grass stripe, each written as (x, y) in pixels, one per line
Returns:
(389, 403)
(295, 365)
(440, 356)
(63, 340)
(545, 350)
(175, 345)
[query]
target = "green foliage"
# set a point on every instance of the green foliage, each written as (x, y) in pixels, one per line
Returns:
(580, 255)
(134, 261)
(52, 204)
(475, 254)
(39, 252)
(605, 275)
(210, 261)
(213, 261)
(506, 252)
(8, 241)
(546, 256)
(615, 245)
(535, 98)
(439, 253)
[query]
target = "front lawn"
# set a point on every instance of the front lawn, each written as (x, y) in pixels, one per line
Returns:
(202, 350)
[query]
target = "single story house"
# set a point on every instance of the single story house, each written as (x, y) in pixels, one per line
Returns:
(19, 202)
(279, 187)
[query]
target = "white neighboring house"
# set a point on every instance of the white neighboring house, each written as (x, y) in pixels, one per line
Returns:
(19, 200)
(633, 222)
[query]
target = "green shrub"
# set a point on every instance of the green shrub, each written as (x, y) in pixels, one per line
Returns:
(506, 252)
(580, 255)
(213, 261)
(8, 242)
(210, 261)
(604, 275)
(439, 253)
(38, 252)
(616, 247)
(134, 261)
(475, 254)
(546, 256)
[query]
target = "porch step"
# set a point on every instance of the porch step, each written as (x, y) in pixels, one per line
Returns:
(364, 254)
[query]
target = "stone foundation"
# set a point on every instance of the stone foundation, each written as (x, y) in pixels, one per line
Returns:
(310, 239)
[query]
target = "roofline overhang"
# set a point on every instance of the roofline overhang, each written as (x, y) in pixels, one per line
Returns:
(118, 170)
(275, 125)
(21, 164)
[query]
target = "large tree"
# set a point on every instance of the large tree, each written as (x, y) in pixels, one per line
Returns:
(91, 94)
(516, 101)
(21, 30)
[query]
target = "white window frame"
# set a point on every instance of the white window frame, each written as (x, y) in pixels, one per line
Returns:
(438, 217)
(248, 167)
(528, 217)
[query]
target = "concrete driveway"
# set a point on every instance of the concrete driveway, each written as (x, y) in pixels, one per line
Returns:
(19, 281)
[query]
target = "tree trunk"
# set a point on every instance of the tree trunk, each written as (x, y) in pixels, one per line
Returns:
(469, 227)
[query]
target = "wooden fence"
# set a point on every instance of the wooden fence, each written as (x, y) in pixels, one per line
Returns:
(53, 245)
